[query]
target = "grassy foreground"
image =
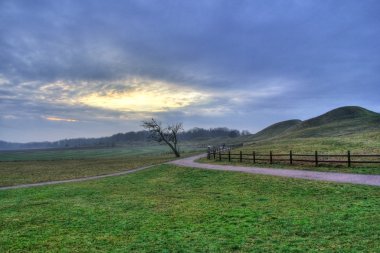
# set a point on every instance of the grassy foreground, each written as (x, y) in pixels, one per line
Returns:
(172, 209)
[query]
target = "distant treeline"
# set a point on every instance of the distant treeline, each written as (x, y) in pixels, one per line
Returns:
(124, 138)
(201, 133)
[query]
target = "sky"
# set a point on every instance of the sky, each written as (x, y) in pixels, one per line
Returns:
(94, 68)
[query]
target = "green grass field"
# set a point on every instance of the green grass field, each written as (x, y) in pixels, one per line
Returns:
(172, 209)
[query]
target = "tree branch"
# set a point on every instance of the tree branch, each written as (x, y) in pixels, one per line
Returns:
(167, 135)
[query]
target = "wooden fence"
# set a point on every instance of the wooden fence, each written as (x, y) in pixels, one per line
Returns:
(292, 158)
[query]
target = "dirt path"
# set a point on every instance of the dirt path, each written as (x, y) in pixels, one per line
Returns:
(312, 175)
(74, 179)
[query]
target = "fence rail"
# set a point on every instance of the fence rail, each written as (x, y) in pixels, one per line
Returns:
(290, 158)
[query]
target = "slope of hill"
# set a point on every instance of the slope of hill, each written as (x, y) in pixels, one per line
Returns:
(277, 129)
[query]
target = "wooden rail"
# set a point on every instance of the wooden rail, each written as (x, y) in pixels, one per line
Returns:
(292, 158)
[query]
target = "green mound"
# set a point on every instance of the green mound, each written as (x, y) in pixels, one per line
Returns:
(341, 114)
(340, 121)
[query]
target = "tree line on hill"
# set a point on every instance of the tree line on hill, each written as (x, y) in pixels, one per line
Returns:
(138, 137)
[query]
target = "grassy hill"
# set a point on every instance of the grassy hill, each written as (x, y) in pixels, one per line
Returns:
(342, 114)
(340, 121)
(349, 127)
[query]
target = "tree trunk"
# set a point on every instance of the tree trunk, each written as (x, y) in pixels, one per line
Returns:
(175, 151)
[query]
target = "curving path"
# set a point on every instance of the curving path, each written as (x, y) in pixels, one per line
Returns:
(312, 175)
(190, 162)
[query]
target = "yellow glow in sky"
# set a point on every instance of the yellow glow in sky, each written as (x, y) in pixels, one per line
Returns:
(142, 99)
(60, 119)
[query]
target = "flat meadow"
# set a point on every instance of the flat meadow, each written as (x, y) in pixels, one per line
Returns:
(32, 166)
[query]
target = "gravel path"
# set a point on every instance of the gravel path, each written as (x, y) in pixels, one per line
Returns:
(312, 175)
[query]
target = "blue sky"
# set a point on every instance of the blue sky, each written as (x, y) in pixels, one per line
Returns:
(94, 68)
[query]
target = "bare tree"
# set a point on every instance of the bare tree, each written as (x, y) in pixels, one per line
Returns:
(169, 134)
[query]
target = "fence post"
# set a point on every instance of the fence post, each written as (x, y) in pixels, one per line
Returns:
(220, 155)
(254, 156)
(270, 157)
(316, 158)
(291, 157)
(349, 158)
(241, 156)
(214, 153)
(229, 155)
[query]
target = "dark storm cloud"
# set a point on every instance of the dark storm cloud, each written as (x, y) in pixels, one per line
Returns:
(253, 39)
(324, 52)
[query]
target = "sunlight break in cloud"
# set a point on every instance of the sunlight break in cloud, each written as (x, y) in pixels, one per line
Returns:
(60, 119)
(152, 97)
